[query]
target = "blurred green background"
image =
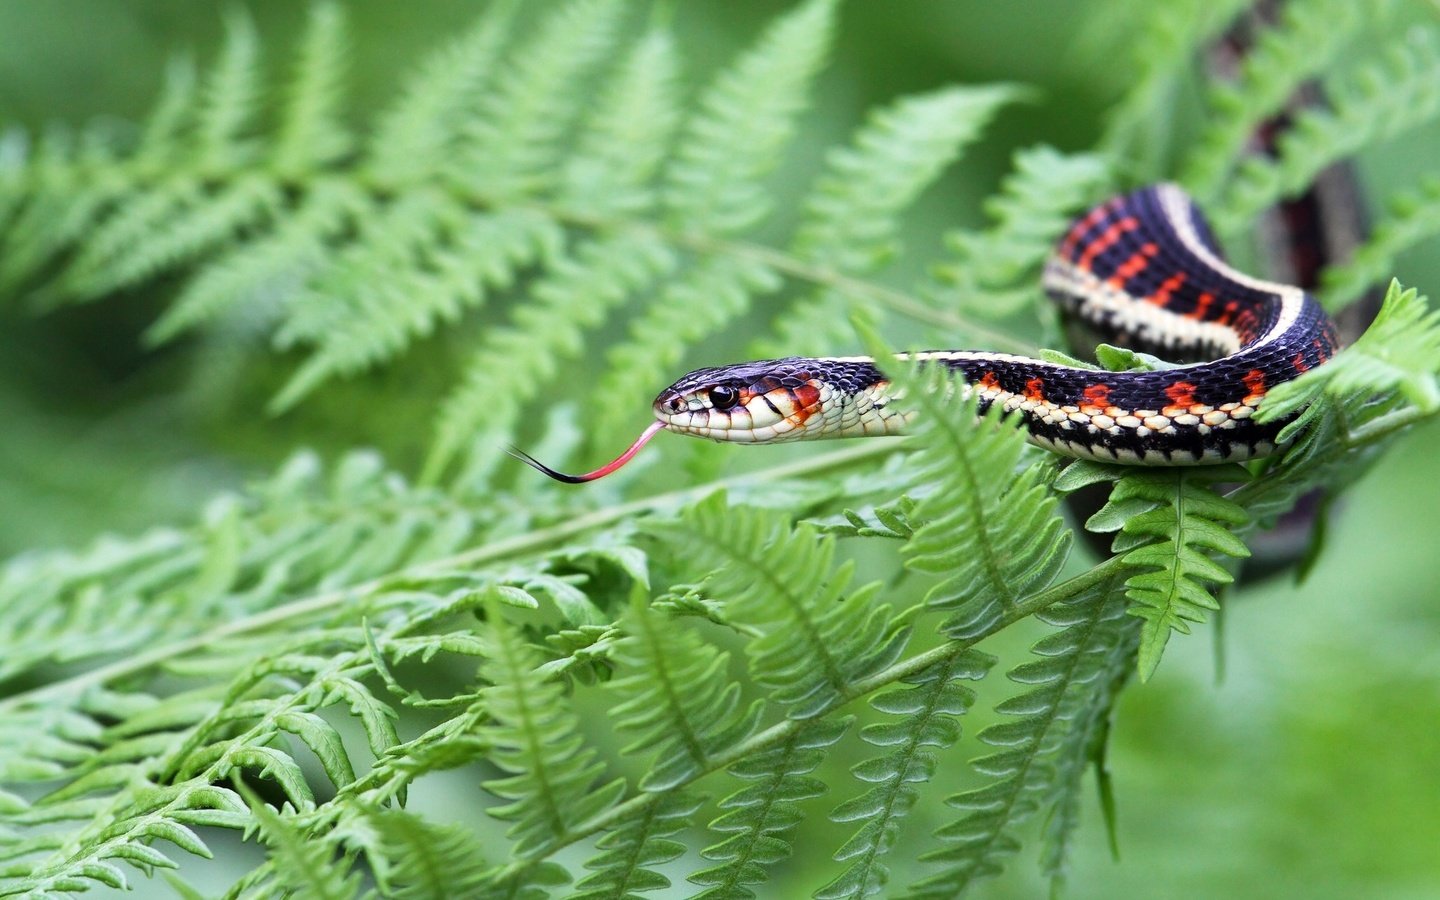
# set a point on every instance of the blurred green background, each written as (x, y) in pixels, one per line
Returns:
(1312, 769)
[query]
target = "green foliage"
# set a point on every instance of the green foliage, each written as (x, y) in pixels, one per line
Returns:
(1067, 698)
(1413, 217)
(1376, 101)
(929, 709)
(979, 501)
(293, 660)
(1169, 523)
(761, 816)
(819, 634)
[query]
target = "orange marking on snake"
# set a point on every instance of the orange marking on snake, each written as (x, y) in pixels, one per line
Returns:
(1078, 231)
(807, 402)
(1255, 384)
(989, 382)
(1107, 237)
(1097, 397)
(1228, 314)
(1202, 306)
(1161, 297)
(1299, 363)
(1035, 390)
(1182, 397)
(1132, 266)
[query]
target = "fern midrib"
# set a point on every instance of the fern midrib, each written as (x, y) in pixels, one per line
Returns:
(979, 523)
(785, 729)
(908, 754)
(637, 849)
(535, 746)
(777, 777)
(661, 667)
(834, 676)
(982, 851)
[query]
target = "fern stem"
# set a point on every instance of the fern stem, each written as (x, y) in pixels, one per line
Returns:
(487, 553)
(785, 730)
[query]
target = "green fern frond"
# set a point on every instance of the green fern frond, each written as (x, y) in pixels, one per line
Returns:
(302, 867)
(762, 815)
(680, 703)
(253, 279)
(372, 304)
(743, 121)
(713, 292)
(1170, 523)
(1165, 42)
(981, 498)
(420, 132)
(1036, 202)
(1103, 670)
(1022, 772)
(1412, 218)
(512, 147)
(638, 842)
(163, 134)
(851, 215)
(420, 860)
(624, 142)
(534, 737)
(515, 362)
(230, 99)
(1375, 103)
(1309, 35)
(929, 710)
(165, 230)
(819, 634)
(311, 134)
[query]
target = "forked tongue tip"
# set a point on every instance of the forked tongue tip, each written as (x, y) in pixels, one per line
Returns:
(601, 472)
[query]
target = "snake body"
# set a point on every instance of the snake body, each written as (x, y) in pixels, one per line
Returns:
(1143, 269)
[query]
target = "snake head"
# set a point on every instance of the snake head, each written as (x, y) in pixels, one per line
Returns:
(765, 400)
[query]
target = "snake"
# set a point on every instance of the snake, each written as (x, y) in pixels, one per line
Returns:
(1143, 269)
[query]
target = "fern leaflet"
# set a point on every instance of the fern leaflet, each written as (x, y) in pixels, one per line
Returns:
(929, 709)
(819, 634)
(762, 815)
(1169, 522)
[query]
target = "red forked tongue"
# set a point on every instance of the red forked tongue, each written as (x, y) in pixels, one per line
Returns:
(601, 472)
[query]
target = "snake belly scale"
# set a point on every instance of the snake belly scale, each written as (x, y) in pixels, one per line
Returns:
(1144, 270)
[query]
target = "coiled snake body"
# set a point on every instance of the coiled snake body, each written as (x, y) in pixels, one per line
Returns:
(1142, 268)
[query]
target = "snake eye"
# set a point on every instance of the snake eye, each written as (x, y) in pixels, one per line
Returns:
(723, 398)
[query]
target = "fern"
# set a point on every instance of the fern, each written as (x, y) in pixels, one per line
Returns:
(304, 657)
(534, 738)
(1311, 34)
(851, 215)
(965, 525)
(685, 715)
(1380, 100)
(761, 816)
(1414, 216)
(1035, 203)
(929, 710)
(819, 635)
(1169, 522)
(635, 844)
(1045, 719)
